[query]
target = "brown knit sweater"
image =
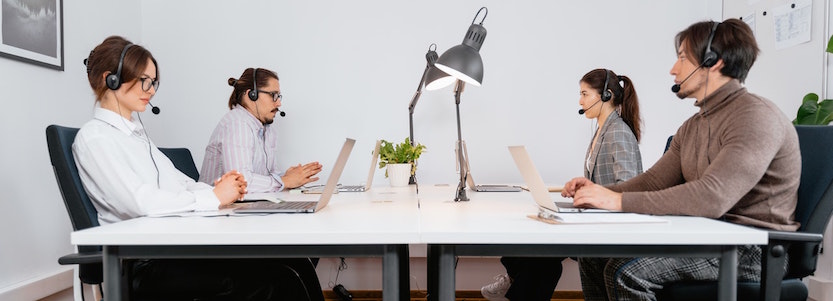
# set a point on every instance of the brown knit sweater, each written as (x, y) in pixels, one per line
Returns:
(737, 159)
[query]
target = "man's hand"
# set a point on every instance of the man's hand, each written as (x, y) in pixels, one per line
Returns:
(230, 187)
(300, 175)
(587, 194)
(573, 185)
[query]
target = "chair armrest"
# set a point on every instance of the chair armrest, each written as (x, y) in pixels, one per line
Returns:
(794, 236)
(81, 258)
(774, 259)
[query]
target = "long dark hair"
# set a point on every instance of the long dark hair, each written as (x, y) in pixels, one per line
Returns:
(624, 95)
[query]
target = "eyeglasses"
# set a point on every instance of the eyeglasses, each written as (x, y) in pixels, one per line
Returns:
(275, 95)
(147, 83)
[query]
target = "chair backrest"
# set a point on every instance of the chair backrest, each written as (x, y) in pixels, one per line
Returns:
(81, 211)
(182, 159)
(815, 194)
(668, 143)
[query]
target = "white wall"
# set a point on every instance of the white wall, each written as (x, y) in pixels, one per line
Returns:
(35, 224)
(349, 69)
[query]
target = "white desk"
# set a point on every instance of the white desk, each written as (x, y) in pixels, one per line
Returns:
(496, 224)
(384, 221)
(349, 226)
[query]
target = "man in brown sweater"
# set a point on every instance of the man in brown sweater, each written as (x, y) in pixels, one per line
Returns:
(737, 160)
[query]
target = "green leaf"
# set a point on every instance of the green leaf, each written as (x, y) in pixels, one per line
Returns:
(830, 45)
(825, 112)
(807, 110)
(814, 112)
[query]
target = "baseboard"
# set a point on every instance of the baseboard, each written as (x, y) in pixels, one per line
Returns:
(820, 288)
(419, 295)
(39, 287)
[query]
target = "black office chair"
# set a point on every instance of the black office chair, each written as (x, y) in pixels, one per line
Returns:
(81, 211)
(182, 159)
(668, 143)
(83, 214)
(815, 205)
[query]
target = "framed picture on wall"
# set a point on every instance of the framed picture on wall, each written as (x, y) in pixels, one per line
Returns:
(32, 31)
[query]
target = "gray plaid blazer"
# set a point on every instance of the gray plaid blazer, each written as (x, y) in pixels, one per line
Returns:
(616, 157)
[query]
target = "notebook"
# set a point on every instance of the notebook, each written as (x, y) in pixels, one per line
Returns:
(488, 187)
(536, 186)
(305, 207)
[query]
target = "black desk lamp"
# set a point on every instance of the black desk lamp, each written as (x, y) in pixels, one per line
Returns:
(435, 79)
(463, 62)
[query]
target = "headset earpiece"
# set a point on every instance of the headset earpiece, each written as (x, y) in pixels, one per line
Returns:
(253, 94)
(606, 95)
(114, 81)
(710, 57)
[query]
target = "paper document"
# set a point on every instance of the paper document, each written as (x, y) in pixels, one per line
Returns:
(597, 218)
(204, 213)
(549, 188)
(262, 196)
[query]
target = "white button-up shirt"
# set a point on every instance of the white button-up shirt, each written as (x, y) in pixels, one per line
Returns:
(114, 161)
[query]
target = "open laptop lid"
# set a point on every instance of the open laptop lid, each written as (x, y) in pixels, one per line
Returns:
(373, 161)
(540, 192)
(489, 188)
(532, 178)
(332, 181)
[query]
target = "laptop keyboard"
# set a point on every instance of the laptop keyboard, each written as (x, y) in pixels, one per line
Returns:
(351, 188)
(282, 205)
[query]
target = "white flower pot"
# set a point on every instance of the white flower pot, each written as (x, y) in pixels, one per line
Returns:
(399, 174)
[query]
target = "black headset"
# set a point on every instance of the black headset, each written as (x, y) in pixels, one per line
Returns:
(605, 92)
(114, 81)
(253, 94)
(710, 56)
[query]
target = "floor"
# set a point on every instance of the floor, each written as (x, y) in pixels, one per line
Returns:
(461, 296)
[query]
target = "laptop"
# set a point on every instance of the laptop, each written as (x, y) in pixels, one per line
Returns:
(370, 173)
(487, 187)
(305, 207)
(536, 186)
(316, 189)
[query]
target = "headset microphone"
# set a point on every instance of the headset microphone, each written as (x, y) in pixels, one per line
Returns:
(282, 113)
(676, 87)
(581, 111)
(153, 108)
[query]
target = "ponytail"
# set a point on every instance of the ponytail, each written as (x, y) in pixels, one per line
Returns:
(629, 104)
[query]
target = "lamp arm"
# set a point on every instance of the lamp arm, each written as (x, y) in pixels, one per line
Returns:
(411, 107)
(418, 92)
(461, 187)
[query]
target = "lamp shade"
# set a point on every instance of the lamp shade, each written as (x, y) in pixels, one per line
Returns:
(463, 61)
(437, 79)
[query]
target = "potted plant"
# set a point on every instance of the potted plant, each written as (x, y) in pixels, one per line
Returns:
(812, 111)
(400, 160)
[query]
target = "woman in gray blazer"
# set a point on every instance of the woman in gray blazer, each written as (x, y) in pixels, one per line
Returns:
(613, 156)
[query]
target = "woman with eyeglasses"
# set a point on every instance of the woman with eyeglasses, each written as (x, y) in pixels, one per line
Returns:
(246, 139)
(126, 177)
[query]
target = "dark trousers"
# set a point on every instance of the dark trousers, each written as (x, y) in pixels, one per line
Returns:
(225, 279)
(533, 278)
